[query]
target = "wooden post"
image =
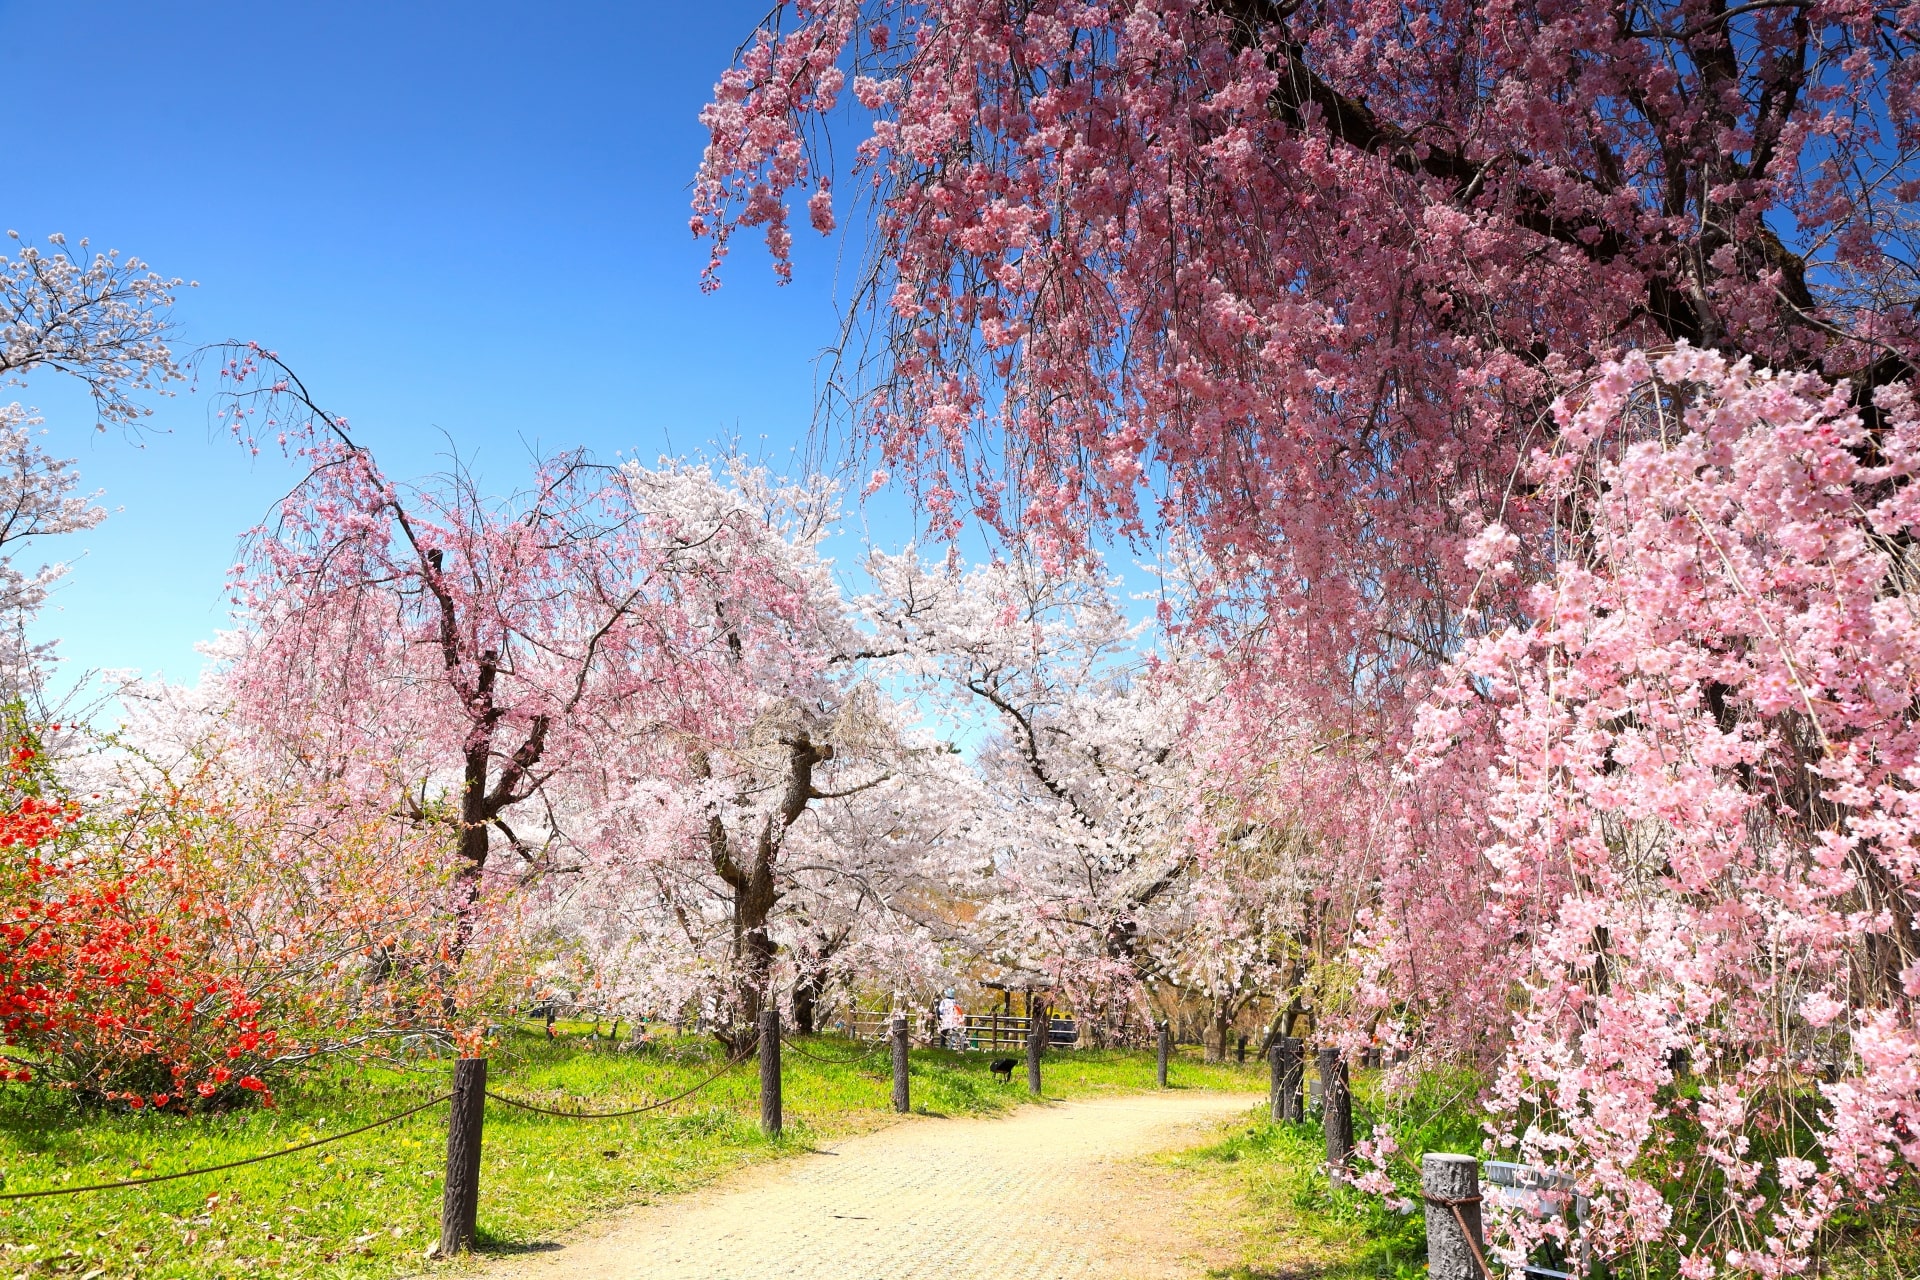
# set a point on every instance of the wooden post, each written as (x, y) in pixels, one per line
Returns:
(900, 1100)
(1289, 1066)
(770, 1072)
(1240, 1050)
(460, 1203)
(1454, 1182)
(1162, 1048)
(1336, 1110)
(1036, 1042)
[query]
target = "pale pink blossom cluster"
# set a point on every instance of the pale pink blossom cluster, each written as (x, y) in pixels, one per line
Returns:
(1704, 800)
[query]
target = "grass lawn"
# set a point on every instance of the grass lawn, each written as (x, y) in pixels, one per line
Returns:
(1287, 1221)
(369, 1206)
(1290, 1220)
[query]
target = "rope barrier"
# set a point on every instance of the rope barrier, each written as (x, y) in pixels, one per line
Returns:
(1472, 1237)
(729, 1065)
(522, 1104)
(834, 1062)
(231, 1164)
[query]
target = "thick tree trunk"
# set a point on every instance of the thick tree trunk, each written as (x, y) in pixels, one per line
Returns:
(1219, 1030)
(752, 885)
(753, 945)
(806, 1001)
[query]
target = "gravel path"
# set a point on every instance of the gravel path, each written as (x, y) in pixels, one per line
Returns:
(1046, 1194)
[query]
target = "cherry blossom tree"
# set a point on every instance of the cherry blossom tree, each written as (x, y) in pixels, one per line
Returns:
(1703, 792)
(1351, 296)
(489, 652)
(1082, 760)
(768, 876)
(1303, 279)
(37, 500)
(104, 321)
(769, 822)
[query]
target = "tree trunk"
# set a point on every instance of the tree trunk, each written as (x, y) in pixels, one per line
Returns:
(1219, 1031)
(753, 945)
(473, 846)
(806, 999)
(815, 963)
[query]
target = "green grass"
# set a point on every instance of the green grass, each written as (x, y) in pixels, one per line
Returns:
(1292, 1221)
(369, 1206)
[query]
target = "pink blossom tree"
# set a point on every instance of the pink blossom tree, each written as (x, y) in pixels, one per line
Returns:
(490, 653)
(1703, 795)
(1304, 283)
(1303, 279)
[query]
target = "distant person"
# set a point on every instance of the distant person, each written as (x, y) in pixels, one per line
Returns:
(952, 1021)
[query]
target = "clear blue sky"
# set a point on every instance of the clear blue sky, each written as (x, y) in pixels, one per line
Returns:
(457, 221)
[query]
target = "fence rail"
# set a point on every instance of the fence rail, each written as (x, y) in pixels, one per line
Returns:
(984, 1032)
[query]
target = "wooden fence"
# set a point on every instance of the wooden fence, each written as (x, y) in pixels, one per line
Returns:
(985, 1032)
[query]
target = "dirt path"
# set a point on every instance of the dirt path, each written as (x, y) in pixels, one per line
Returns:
(1046, 1194)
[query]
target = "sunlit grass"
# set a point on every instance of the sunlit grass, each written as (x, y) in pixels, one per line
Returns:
(369, 1206)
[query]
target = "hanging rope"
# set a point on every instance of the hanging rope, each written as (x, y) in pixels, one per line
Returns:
(725, 1067)
(835, 1062)
(231, 1164)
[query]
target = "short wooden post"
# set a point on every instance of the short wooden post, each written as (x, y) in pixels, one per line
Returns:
(460, 1201)
(770, 1072)
(1289, 1066)
(1451, 1184)
(900, 1099)
(1162, 1048)
(1240, 1050)
(1036, 1041)
(1336, 1110)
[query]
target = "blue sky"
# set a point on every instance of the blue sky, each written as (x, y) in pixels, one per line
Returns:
(459, 222)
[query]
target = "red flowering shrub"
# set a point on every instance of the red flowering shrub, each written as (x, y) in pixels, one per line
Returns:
(105, 981)
(181, 942)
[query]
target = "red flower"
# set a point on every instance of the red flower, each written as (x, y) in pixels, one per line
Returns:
(254, 1083)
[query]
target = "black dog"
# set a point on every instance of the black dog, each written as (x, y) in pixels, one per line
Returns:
(1003, 1067)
